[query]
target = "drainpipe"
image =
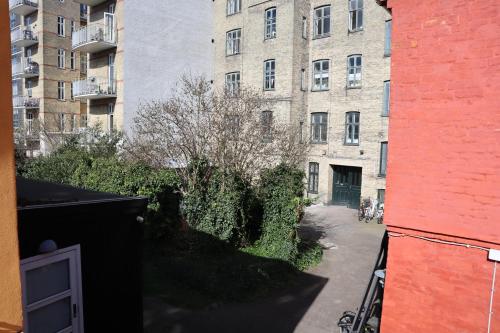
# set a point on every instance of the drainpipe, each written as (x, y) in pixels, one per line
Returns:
(491, 296)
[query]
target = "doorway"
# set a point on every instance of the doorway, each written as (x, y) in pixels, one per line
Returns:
(346, 186)
(52, 292)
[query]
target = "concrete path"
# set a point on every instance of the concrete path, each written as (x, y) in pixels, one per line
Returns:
(336, 285)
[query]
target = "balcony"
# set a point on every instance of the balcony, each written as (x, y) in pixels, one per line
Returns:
(90, 2)
(94, 88)
(25, 68)
(23, 7)
(23, 37)
(25, 102)
(95, 37)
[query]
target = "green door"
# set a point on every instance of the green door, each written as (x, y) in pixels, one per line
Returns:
(346, 186)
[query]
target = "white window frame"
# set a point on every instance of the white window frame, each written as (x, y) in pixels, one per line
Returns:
(233, 42)
(61, 95)
(73, 26)
(233, 82)
(351, 126)
(355, 15)
(60, 26)
(319, 126)
(322, 21)
(354, 71)
(270, 74)
(322, 74)
(72, 254)
(62, 122)
(61, 58)
(233, 7)
(270, 23)
(313, 178)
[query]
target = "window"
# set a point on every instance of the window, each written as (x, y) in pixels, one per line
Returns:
(322, 21)
(73, 26)
(269, 74)
(233, 6)
(29, 88)
(270, 23)
(233, 125)
(73, 123)
(355, 15)
(266, 119)
(321, 74)
(233, 83)
(83, 121)
(381, 196)
(303, 79)
(388, 38)
(111, 8)
(383, 159)
(319, 127)
(60, 26)
(111, 118)
(352, 128)
(29, 123)
(61, 55)
(354, 71)
(387, 98)
(111, 72)
(72, 60)
(312, 186)
(71, 92)
(62, 122)
(301, 132)
(304, 27)
(17, 118)
(233, 42)
(60, 90)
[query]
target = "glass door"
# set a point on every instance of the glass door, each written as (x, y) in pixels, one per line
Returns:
(109, 20)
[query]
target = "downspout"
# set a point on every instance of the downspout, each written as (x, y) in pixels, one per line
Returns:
(491, 296)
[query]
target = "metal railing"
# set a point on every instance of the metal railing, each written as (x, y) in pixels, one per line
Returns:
(25, 66)
(26, 102)
(15, 3)
(94, 32)
(21, 33)
(94, 87)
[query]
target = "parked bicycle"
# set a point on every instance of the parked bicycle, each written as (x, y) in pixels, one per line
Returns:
(370, 209)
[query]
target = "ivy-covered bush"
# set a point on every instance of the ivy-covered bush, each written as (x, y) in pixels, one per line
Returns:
(221, 206)
(281, 191)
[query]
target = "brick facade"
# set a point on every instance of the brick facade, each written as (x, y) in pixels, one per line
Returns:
(443, 181)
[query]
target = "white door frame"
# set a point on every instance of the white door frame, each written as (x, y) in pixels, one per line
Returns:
(72, 254)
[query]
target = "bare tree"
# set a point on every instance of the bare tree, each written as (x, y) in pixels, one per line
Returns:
(233, 131)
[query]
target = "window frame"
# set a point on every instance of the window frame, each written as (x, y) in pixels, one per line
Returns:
(320, 20)
(266, 121)
(61, 93)
(61, 58)
(270, 23)
(355, 67)
(320, 127)
(235, 5)
(322, 72)
(270, 75)
(350, 128)
(233, 41)
(304, 27)
(313, 178)
(61, 22)
(355, 12)
(72, 60)
(235, 77)
(383, 159)
(303, 79)
(386, 99)
(388, 38)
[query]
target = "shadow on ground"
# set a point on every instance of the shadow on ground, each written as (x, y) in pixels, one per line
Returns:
(197, 283)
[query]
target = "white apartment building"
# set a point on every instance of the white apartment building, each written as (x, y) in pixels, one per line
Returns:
(326, 63)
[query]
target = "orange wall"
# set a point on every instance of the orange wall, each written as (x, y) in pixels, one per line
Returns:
(443, 178)
(10, 285)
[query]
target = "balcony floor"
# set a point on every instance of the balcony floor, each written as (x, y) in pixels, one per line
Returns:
(94, 47)
(24, 75)
(23, 9)
(24, 42)
(96, 96)
(90, 2)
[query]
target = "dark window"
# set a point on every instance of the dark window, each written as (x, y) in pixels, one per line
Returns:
(313, 177)
(319, 127)
(388, 37)
(352, 128)
(381, 196)
(355, 15)
(322, 21)
(387, 98)
(266, 118)
(383, 159)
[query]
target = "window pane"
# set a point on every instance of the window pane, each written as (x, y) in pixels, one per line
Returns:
(51, 318)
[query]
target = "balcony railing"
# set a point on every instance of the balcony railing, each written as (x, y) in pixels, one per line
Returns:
(26, 102)
(25, 68)
(23, 7)
(23, 37)
(94, 88)
(95, 37)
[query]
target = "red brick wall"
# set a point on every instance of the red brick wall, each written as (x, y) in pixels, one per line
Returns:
(444, 165)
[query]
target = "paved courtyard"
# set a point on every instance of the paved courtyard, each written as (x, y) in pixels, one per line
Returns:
(336, 285)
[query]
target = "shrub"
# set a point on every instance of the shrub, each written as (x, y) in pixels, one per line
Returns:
(281, 192)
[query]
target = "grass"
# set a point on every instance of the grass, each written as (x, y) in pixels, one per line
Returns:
(195, 270)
